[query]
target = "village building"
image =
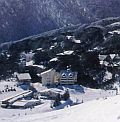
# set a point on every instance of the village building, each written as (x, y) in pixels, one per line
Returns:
(68, 77)
(48, 77)
(29, 56)
(68, 56)
(51, 77)
(110, 60)
(24, 78)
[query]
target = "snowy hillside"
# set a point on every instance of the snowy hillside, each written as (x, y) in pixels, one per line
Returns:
(21, 18)
(102, 110)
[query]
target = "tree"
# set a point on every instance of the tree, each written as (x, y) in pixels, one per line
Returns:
(66, 95)
(57, 101)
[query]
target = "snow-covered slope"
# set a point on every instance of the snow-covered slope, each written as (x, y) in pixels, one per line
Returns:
(103, 110)
(97, 106)
(22, 18)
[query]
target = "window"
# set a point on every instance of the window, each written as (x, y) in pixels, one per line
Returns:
(63, 75)
(70, 75)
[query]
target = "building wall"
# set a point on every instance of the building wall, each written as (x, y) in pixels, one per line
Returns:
(48, 77)
(68, 77)
(52, 77)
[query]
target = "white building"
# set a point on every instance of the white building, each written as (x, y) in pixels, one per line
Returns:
(24, 78)
(48, 77)
(51, 77)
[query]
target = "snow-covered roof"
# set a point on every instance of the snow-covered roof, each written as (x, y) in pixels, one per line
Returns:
(52, 47)
(102, 57)
(68, 37)
(53, 90)
(77, 41)
(39, 66)
(112, 56)
(24, 76)
(29, 63)
(69, 52)
(46, 71)
(39, 49)
(54, 59)
(115, 31)
(22, 103)
(106, 63)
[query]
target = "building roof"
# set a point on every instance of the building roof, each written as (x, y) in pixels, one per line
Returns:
(46, 71)
(29, 63)
(69, 52)
(22, 103)
(102, 57)
(39, 66)
(112, 56)
(68, 72)
(54, 59)
(24, 76)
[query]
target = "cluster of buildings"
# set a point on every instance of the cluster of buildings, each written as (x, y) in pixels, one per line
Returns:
(50, 77)
(111, 64)
(64, 77)
(110, 60)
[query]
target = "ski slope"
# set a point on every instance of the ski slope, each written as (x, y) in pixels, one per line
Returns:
(96, 108)
(102, 110)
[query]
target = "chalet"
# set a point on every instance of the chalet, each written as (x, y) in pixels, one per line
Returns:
(51, 77)
(48, 77)
(68, 56)
(68, 77)
(24, 78)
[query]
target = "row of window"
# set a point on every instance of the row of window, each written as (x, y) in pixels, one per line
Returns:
(66, 75)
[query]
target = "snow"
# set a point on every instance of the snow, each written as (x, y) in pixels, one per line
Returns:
(54, 59)
(69, 37)
(102, 57)
(29, 63)
(115, 31)
(39, 66)
(102, 110)
(24, 102)
(112, 56)
(94, 104)
(11, 93)
(69, 52)
(77, 41)
(108, 76)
